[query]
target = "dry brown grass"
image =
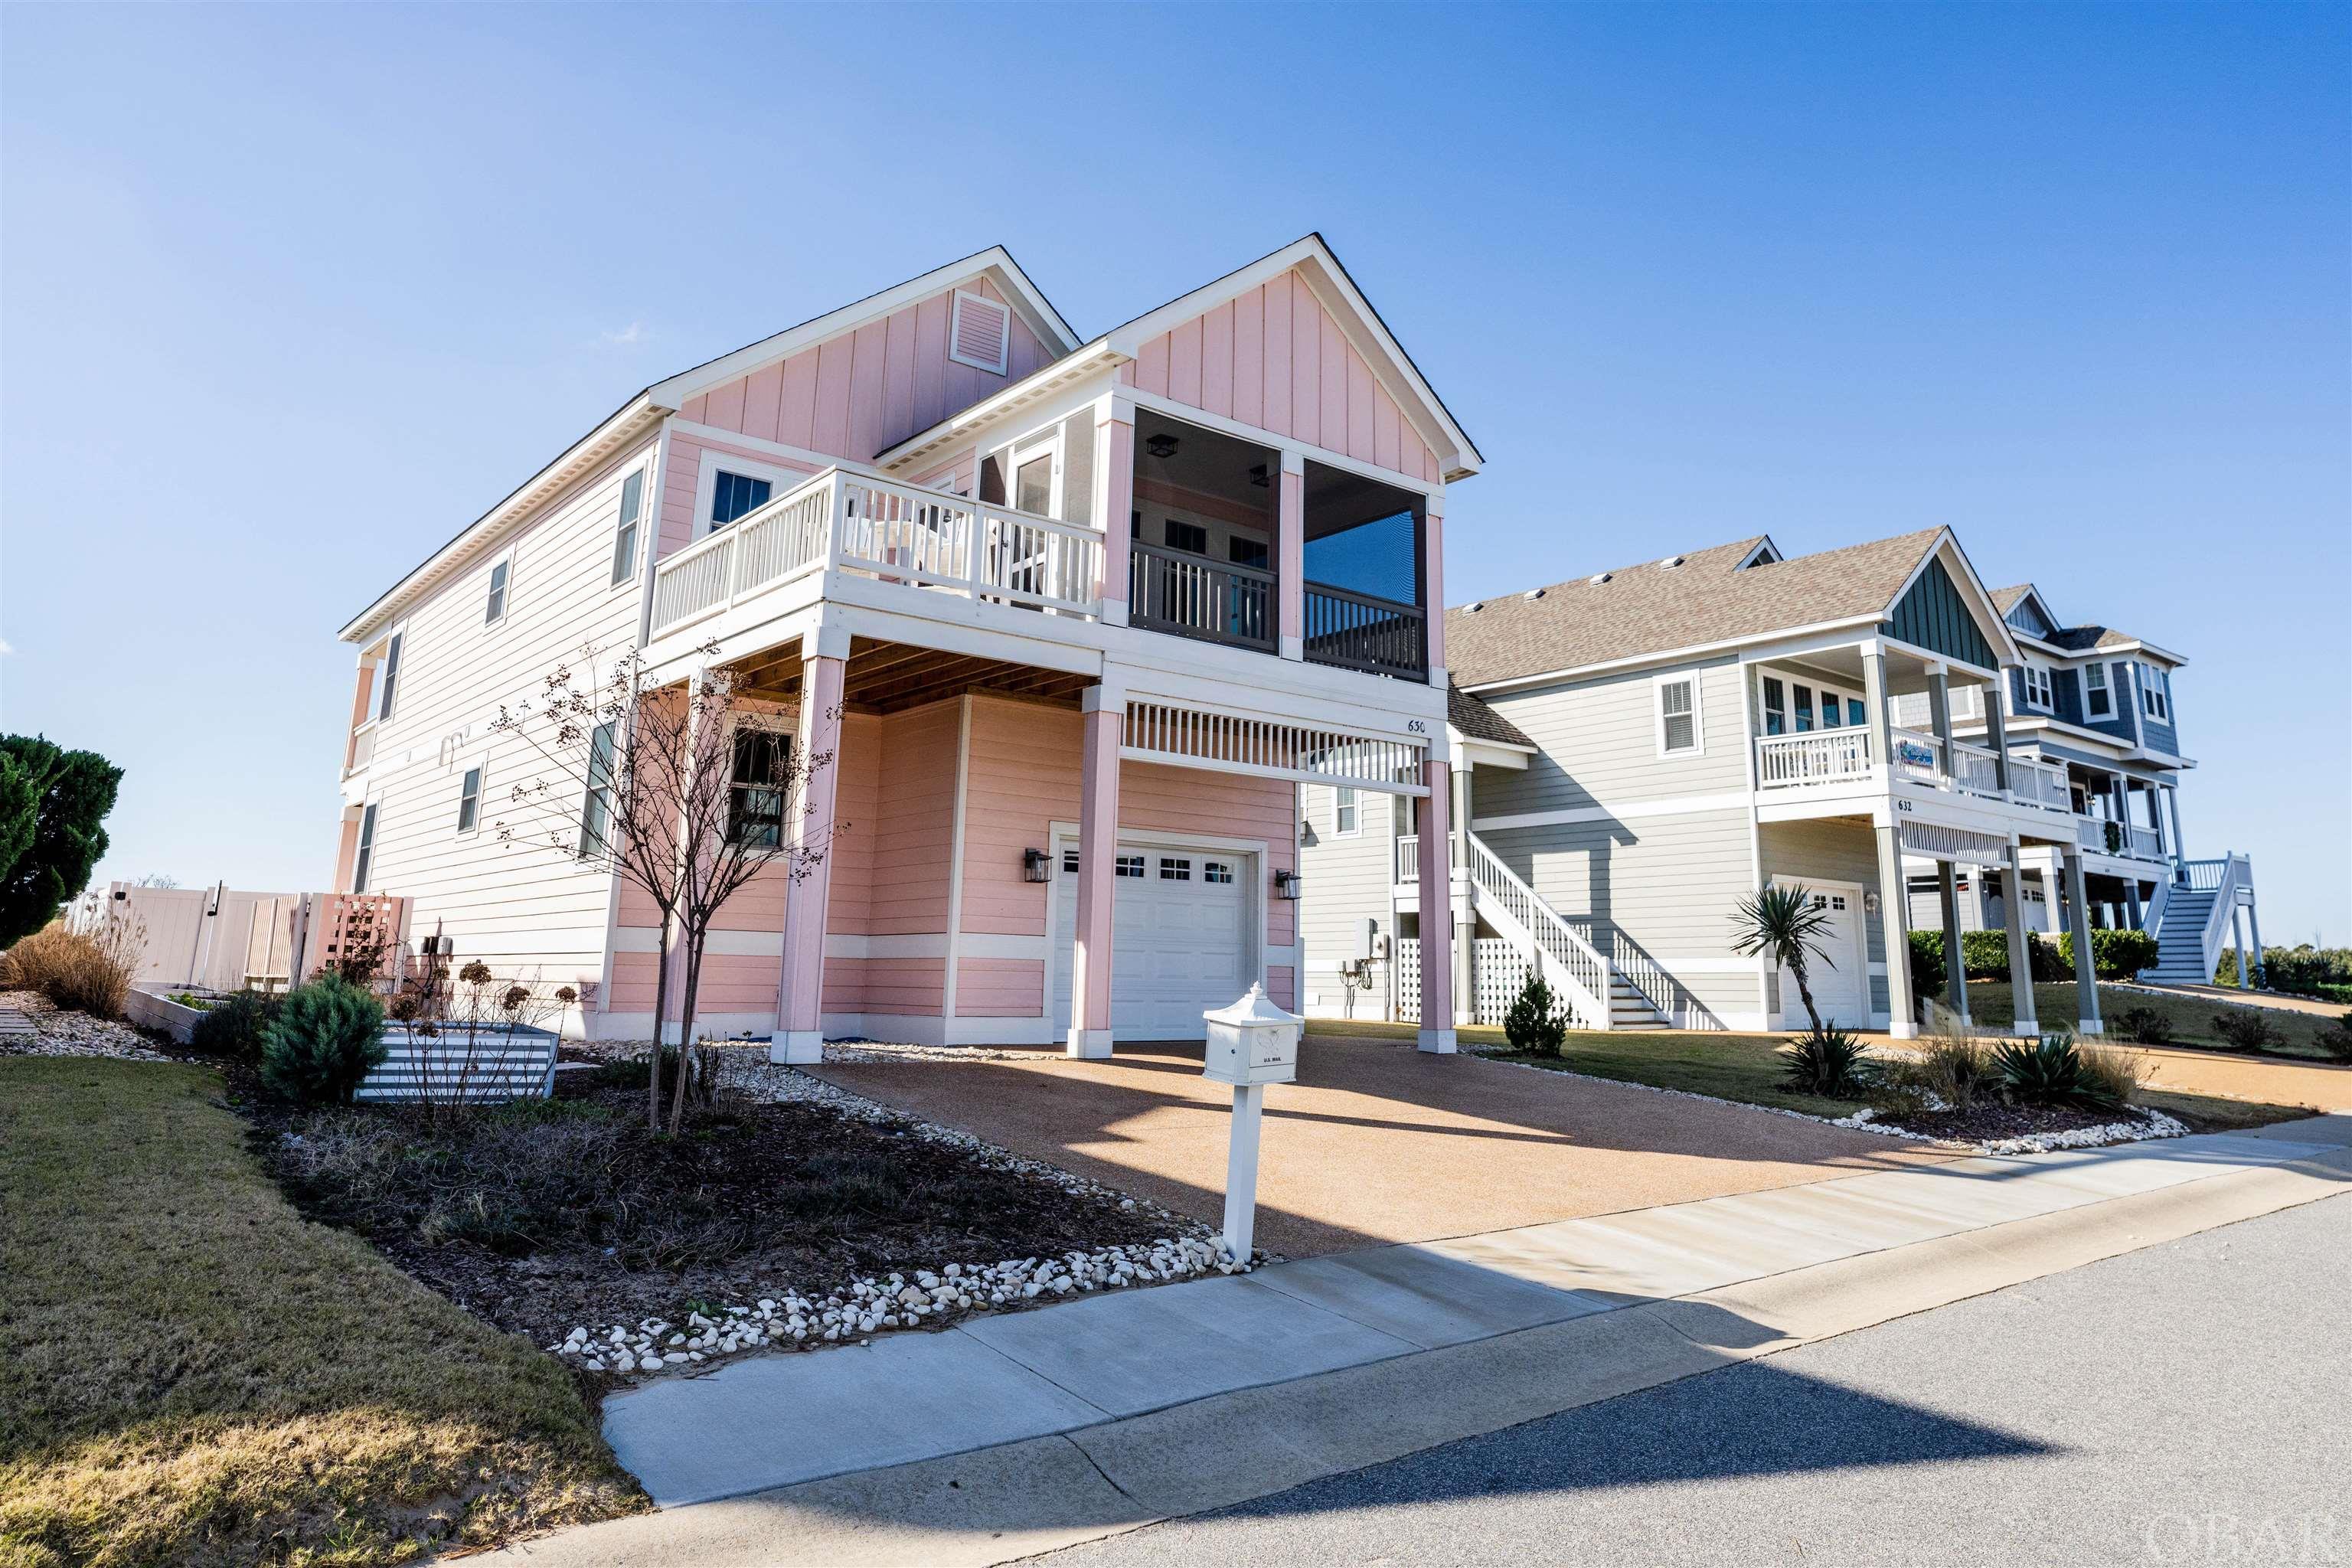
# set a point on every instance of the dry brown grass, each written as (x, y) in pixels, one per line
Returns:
(89, 971)
(189, 1372)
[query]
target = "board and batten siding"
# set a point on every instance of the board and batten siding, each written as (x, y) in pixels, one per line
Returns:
(529, 910)
(1275, 358)
(1350, 878)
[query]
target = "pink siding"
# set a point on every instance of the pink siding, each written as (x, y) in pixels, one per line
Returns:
(1273, 357)
(869, 389)
(683, 472)
(912, 824)
(1000, 988)
(916, 987)
(1161, 493)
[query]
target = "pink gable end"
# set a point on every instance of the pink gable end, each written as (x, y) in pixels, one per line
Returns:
(1275, 358)
(867, 390)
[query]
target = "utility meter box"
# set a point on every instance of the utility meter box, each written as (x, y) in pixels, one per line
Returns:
(1251, 1042)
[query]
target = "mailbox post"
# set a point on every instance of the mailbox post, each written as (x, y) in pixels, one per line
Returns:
(1251, 1044)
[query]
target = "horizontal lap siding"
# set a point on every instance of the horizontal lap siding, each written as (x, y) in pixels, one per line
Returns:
(1347, 881)
(525, 912)
(1000, 988)
(1598, 743)
(1273, 357)
(1833, 850)
(1669, 883)
(688, 454)
(1023, 776)
(909, 987)
(912, 830)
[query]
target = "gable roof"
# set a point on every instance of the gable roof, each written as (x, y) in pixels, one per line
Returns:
(1706, 600)
(1312, 256)
(1476, 721)
(2076, 639)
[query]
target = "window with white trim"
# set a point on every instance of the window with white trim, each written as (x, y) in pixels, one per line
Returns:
(469, 800)
(500, 574)
(624, 541)
(755, 803)
(733, 494)
(388, 677)
(2098, 702)
(1128, 866)
(980, 335)
(366, 852)
(1216, 871)
(1678, 715)
(2156, 693)
(1775, 706)
(1347, 811)
(1175, 868)
(2036, 680)
(596, 806)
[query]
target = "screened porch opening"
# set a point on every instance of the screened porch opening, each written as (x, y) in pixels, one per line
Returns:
(1206, 515)
(1364, 575)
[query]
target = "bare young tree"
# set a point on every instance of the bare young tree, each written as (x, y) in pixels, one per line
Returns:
(683, 791)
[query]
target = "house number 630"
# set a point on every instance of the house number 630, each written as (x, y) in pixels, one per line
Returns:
(1415, 727)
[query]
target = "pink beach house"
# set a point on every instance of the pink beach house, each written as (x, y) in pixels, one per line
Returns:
(1075, 617)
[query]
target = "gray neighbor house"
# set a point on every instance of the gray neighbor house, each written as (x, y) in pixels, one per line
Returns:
(1637, 749)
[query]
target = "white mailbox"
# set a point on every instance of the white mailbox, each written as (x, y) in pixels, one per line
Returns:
(1251, 1042)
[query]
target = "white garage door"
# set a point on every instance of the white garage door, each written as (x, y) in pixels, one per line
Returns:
(1180, 940)
(1842, 988)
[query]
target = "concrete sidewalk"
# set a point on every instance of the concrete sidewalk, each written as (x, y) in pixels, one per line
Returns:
(1011, 1434)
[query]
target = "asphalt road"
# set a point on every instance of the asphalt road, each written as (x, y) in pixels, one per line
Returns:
(2191, 1403)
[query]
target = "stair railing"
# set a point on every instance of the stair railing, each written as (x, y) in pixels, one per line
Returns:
(1578, 966)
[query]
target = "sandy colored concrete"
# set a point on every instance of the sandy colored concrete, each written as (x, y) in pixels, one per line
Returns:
(1376, 1142)
(2316, 1006)
(2323, 1086)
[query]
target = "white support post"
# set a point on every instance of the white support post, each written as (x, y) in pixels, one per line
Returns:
(1956, 969)
(2087, 968)
(1241, 1170)
(1894, 919)
(2255, 924)
(1465, 922)
(2172, 810)
(2022, 1014)
(2238, 937)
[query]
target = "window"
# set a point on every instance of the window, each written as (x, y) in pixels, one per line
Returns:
(1346, 813)
(498, 604)
(469, 800)
(2156, 693)
(2037, 687)
(1033, 484)
(596, 809)
(733, 495)
(1678, 733)
(1243, 551)
(2098, 700)
(1173, 868)
(625, 542)
(755, 806)
(1216, 871)
(979, 333)
(1128, 866)
(1855, 712)
(1776, 707)
(366, 849)
(1805, 707)
(1187, 537)
(1069, 860)
(389, 677)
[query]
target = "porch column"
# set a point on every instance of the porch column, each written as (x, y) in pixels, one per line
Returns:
(2020, 957)
(1290, 557)
(1114, 500)
(1466, 948)
(1090, 958)
(1433, 587)
(1895, 916)
(2255, 924)
(1437, 889)
(2078, 921)
(800, 1013)
(2172, 810)
(1997, 734)
(1939, 716)
(2134, 912)
(1956, 971)
(1881, 732)
(2237, 936)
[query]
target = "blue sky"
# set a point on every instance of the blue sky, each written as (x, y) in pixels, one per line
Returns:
(289, 295)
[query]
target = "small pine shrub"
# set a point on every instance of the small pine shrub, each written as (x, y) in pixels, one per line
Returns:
(2245, 1028)
(2051, 1071)
(232, 1028)
(1828, 1062)
(324, 1040)
(1536, 1023)
(2143, 1026)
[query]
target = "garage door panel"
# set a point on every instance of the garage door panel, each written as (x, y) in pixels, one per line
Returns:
(1180, 944)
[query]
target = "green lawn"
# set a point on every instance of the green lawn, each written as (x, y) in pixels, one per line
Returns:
(2058, 1007)
(191, 1372)
(1745, 1068)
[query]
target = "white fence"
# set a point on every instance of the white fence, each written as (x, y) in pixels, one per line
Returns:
(487, 1064)
(1499, 973)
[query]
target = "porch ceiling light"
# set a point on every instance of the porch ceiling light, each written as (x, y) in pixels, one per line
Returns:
(1036, 865)
(1161, 446)
(1288, 884)
(1260, 478)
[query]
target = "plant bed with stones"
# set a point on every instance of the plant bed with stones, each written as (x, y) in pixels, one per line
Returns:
(1999, 1127)
(791, 1216)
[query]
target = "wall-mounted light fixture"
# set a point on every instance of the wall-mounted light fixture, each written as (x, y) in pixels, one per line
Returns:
(1036, 865)
(1161, 446)
(1288, 884)
(1260, 478)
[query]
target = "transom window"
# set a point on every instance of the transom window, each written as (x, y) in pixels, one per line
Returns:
(469, 800)
(1346, 813)
(735, 494)
(1175, 868)
(1128, 866)
(755, 807)
(1678, 732)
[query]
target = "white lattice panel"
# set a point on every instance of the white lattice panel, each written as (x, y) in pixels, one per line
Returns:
(1408, 967)
(1502, 974)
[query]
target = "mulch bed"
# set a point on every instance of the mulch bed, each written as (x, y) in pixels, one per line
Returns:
(570, 1215)
(1992, 1119)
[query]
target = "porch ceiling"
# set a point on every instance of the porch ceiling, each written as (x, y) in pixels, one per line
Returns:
(889, 677)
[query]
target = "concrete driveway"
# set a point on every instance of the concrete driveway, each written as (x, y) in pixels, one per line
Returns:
(1376, 1142)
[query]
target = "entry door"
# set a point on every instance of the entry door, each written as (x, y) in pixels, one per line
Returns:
(1182, 924)
(1841, 993)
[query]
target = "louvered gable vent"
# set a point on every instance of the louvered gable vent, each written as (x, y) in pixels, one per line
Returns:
(979, 333)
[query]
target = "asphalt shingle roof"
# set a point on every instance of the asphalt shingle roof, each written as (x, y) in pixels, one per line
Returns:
(1651, 608)
(2074, 639)
(1478, 722)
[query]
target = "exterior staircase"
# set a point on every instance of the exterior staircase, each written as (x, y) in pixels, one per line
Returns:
(1592, 985)
(2192, 922)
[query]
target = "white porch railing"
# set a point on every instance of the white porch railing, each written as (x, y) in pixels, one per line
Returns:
(858, 521)
(1920, 757)
(1819, 757)
(2101, 837)
(1975, 769)
(1574, 966)
(1408, 857)
(2039, 784)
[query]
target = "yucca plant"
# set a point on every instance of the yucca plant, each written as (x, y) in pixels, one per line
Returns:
(1785, 925)
(1827, 1062)
(2051, 1072)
